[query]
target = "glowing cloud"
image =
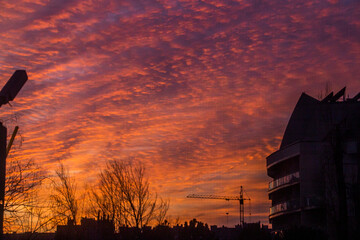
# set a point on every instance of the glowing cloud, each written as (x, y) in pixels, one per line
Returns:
(201, 91)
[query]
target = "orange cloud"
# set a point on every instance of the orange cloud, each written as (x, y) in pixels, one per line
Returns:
(199, 91)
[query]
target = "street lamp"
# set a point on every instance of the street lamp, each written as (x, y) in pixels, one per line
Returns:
(7, 94)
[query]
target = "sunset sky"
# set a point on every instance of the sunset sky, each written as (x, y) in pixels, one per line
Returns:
(200, 91)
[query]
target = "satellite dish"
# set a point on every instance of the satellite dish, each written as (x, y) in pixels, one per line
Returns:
(13, 86)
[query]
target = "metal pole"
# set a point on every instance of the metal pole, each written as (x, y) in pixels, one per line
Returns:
(241, 200)
(240, 212)
(3, 134)
(11, 140)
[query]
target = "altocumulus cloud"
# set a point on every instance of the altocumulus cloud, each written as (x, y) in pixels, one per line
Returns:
(199, 90)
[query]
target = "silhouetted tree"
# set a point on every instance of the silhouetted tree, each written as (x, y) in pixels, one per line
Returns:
(23, 179)
(25, 209)
(107, 199)
(64, 199)
(123, 194)
(161, 212)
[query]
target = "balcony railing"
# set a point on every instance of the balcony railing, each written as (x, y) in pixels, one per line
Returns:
(294, 177)
(285, 206)
(309, 202)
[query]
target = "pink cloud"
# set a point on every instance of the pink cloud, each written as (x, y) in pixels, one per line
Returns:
(201, 92)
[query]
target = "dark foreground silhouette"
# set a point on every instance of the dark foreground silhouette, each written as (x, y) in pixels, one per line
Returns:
(103, 229)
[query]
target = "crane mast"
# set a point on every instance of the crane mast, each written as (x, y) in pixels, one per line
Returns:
(239, 198)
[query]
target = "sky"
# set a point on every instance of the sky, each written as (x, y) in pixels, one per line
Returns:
(200, 91)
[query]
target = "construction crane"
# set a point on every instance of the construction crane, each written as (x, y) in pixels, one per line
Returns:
(239, 198)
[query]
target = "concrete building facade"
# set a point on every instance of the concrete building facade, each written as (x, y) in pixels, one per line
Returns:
(316, 170)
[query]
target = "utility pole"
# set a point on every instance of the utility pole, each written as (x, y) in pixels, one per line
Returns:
(7, 94)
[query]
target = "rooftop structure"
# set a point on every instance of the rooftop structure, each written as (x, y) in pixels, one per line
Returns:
(90, 229)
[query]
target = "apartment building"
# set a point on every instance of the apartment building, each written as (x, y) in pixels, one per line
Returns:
(316, 170)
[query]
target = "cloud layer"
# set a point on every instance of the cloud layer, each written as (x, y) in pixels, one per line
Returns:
(200, 91)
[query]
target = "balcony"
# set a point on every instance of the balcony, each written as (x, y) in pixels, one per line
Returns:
(284, 154)
(309, 203)
(291, 205)
(288, 179)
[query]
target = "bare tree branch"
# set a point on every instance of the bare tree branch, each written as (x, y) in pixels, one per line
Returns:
(22, 182)
(162, 210)
(123, 193)
(64, 198)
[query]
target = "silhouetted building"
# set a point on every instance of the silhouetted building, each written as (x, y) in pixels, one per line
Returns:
(254, 231)
(103, 229)
(29, 235)
(90, 229)
(316, 170)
